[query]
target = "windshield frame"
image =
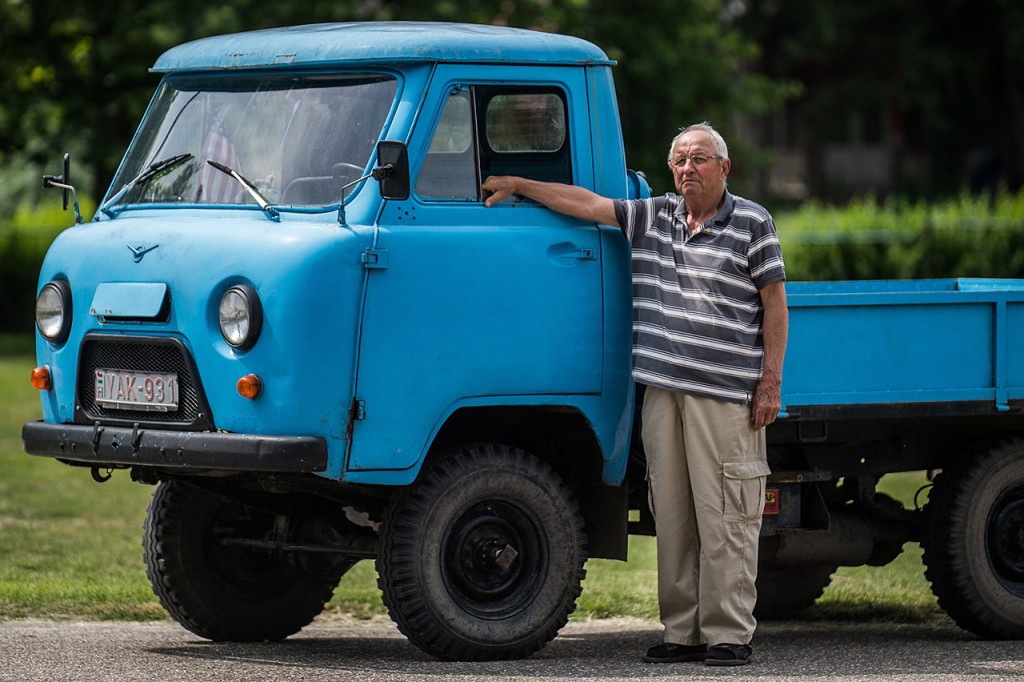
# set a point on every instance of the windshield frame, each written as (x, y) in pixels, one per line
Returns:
(195, 82)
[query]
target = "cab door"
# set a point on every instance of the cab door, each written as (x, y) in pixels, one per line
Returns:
(468, 305)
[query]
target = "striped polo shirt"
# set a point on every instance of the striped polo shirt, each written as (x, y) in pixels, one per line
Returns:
(697, 312)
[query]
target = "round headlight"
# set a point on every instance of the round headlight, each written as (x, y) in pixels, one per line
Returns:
(241, 316)
(53, 311)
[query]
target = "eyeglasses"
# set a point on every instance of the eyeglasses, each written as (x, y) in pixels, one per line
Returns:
(697, 160)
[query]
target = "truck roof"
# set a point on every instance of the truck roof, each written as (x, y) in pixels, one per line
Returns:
(318, 45)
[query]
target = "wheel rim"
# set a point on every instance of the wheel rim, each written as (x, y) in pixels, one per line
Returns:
(1006, 539)
(493, 559)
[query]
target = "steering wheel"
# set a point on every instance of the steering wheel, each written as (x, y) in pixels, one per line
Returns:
(346, 172)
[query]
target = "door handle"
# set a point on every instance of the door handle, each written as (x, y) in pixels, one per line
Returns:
(568, 254)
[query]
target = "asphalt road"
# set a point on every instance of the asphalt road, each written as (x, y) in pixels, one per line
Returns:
(600, 650)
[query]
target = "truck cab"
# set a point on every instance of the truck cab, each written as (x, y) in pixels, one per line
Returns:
(294, 315)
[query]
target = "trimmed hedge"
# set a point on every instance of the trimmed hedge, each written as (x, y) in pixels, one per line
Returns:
(966, 237)
(24, 239)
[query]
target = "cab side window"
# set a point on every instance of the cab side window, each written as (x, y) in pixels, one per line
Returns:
(450, 168)
(496, 130)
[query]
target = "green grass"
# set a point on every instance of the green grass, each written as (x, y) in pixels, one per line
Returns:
(70, 547)
(897, 591)
(617, 588)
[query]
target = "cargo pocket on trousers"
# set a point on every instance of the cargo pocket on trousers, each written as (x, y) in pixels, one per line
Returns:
(743, 490)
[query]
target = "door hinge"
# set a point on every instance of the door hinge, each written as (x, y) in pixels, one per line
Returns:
(375, 259)
(356, 412)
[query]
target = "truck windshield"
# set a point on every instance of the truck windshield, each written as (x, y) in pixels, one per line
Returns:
(298, 139)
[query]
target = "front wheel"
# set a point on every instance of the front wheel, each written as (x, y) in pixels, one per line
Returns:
(482, 559)
(974, 546)
(202, 558)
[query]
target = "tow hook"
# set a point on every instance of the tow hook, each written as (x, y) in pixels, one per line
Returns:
(101, 478)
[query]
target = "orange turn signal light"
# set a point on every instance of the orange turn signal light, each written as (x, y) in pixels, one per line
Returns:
(250, 386)
(41, 378)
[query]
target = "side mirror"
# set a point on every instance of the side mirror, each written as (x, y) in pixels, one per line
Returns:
(392, 169)
(63, 181)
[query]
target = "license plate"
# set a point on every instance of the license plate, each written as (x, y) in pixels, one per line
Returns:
(118, 389)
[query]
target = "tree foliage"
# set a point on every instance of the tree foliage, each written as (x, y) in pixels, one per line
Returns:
(943, 79)
(77, 75)
(939, 83)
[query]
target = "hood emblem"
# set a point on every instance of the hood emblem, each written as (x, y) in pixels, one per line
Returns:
(140, 251)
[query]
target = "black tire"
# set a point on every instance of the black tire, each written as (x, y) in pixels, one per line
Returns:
(974, 543)
(443, 562)
(225, 592)
(781, 590)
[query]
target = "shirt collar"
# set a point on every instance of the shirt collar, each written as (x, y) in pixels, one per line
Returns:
(725, 210)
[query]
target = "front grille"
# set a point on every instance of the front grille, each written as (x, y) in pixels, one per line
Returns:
(141, 355)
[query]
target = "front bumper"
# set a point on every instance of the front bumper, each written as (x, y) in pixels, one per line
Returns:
(114, 446)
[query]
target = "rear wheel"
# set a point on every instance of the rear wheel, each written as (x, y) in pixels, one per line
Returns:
(784, 589)
(205, 561)
(974, 544)
(482, 559)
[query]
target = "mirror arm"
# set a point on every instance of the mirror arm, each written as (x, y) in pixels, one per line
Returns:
(378, 173)
(55, 181)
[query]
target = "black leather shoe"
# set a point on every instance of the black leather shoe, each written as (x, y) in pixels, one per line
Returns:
(676, 653)
(728, 654)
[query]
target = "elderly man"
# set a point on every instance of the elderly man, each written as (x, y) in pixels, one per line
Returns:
(709, 335)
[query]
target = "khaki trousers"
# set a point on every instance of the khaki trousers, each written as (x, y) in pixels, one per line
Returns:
(706, 472)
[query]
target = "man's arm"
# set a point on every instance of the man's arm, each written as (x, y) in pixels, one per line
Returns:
(767, 397)
(568, 199)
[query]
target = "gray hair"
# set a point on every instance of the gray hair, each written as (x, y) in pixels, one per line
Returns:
(721, 149)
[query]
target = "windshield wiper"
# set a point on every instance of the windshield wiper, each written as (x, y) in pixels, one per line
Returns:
(154, 169)
(269, 210)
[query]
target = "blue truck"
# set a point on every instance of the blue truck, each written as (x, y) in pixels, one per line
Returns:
(294, 317)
